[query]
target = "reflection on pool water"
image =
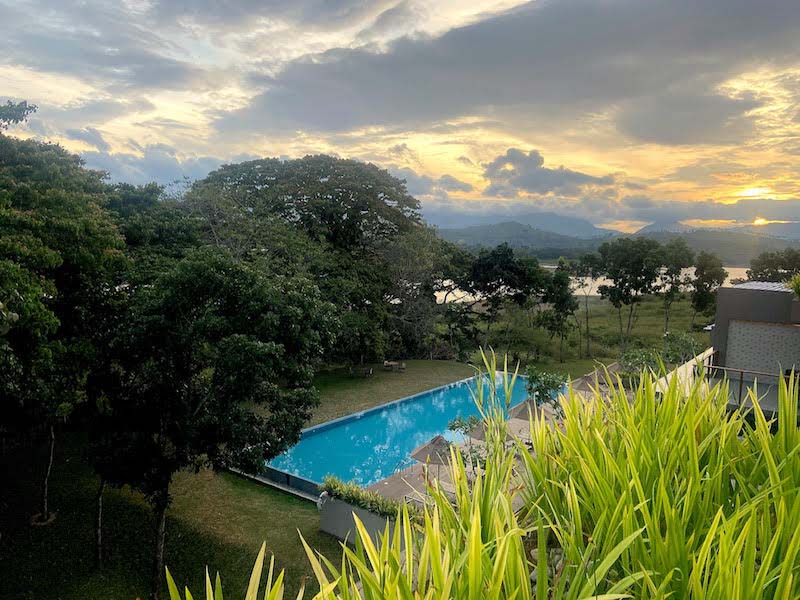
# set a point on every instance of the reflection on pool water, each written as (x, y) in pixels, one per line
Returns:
(372, 445)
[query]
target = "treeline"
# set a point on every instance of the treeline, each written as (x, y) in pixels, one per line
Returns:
(185, 332)
(779, 265)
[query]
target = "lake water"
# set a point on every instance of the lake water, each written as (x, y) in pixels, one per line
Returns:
(733, 273)
(459, 296)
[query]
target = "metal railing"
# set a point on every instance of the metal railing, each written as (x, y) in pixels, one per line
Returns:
(711, 370)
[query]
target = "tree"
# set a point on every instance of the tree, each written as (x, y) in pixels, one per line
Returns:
(343, 223)
(543, 386)
(13, 113)
(775, 266)
(632, 265)
(349, 204)
(59, 251)
(677, 257)
(497, 276)
(212, 366)
(562, 305)
(708, 277)
(587, 270)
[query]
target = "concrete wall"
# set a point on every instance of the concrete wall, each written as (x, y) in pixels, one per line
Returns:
(763, 347)
(749, 305)
(336, 519)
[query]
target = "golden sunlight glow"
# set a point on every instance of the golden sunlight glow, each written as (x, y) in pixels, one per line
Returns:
(760, 221)
(754, 192)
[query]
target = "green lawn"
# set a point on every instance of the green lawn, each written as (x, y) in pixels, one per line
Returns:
(219, 520)
(342, 394)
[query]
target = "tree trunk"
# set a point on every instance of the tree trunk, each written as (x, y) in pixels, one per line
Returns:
(588, 348)
(691, 324)
(98, 526)
(622, 341)
(45, 514)
(160, 506)
(630, 324)
(561, 349)
(580, 337)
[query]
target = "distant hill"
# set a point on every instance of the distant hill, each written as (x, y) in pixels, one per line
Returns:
(544, 244)
(544, 221)
(736, 249)
(789, 231)
(665, 227)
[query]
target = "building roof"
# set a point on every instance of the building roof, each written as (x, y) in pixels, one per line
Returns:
(764, 286)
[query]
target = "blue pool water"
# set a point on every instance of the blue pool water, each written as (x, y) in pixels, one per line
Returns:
(372, 445)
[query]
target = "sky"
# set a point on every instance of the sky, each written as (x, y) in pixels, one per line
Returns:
(623, 112)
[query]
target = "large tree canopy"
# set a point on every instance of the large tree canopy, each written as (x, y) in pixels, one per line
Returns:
(351, 205)
(350, 226)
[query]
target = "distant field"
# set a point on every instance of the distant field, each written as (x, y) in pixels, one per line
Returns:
(516, 335)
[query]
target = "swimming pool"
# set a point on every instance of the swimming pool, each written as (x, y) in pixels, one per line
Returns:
(372, 445)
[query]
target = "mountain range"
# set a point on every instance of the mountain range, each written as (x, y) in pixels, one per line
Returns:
(736, 247)
(544, 221)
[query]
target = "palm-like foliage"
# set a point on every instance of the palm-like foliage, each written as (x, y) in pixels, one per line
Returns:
(645, 494)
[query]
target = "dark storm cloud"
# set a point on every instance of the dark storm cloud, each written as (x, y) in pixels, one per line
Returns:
(517, 171)
(639, 58)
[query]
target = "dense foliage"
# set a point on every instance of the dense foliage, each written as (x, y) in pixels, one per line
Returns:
(779, 265)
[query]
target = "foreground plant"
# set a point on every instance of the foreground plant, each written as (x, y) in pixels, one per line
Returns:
(634, 495)
(715, 495)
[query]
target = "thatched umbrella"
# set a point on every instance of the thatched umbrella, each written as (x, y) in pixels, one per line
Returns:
(436, 451)
(523, 410)
(519, 428)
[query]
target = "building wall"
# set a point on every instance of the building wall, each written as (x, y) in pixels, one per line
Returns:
(763, 347)
(749, 305)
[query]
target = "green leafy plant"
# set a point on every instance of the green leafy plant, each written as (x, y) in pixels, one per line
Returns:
(655, 495)
(543, 386)
(794, 285)
(354, 494)
(715, 497)
(679, 347)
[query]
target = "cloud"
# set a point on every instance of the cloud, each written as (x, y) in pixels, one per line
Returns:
(157, 162)
(451, 212)
(423, 185)
(101, 43)
(517, 171)
(689, 118)
(91, 136)
(633, 60)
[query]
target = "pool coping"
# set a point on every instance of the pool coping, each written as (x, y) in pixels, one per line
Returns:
(306, 488)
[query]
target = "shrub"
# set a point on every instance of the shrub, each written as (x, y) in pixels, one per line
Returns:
(354, 494)
(794, 285)
(680, 347)
(543, 386)
(716, 499)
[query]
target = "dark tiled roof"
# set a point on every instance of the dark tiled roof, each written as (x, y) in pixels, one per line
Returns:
(765, 286)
